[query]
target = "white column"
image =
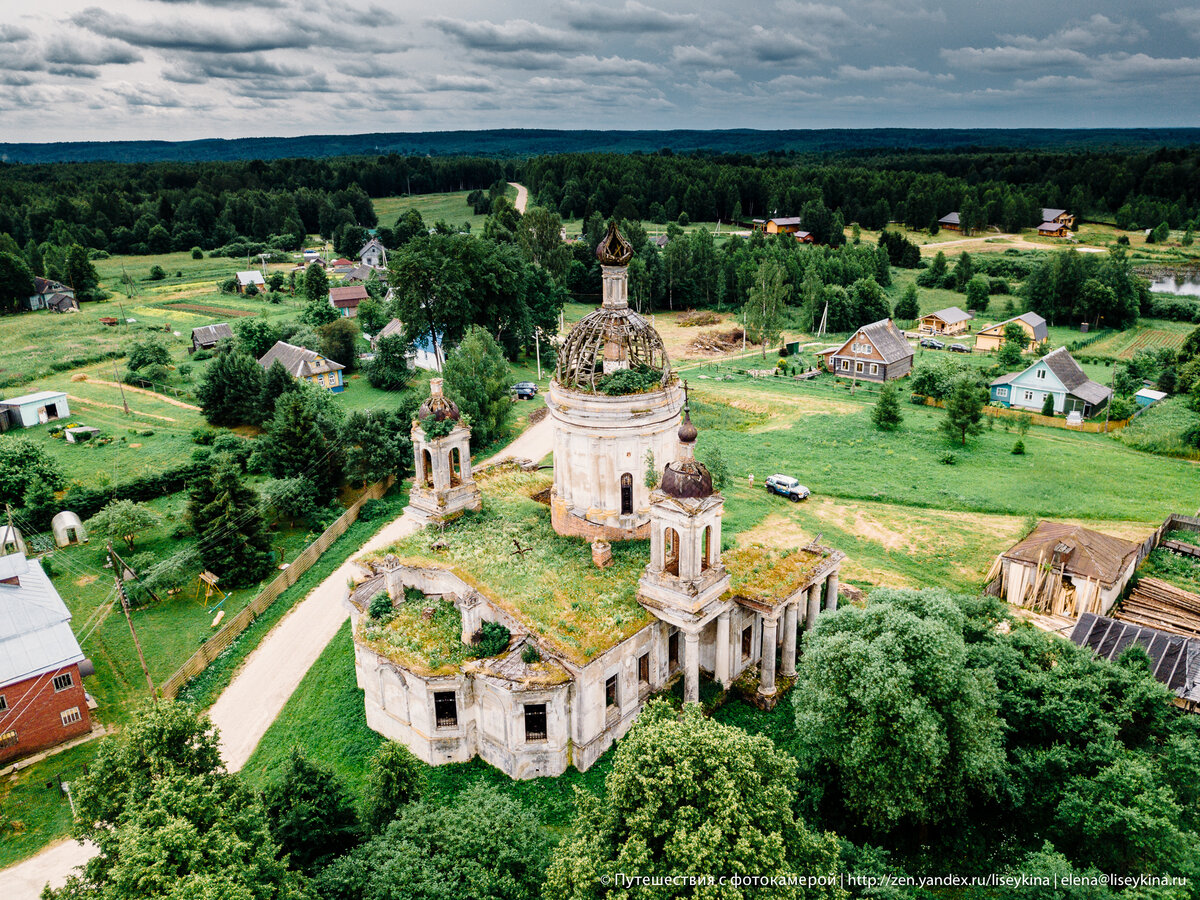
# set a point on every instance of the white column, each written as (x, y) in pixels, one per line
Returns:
(814, 607)
(721, 665)
(691, 667)
(766, 681)
(789, 639)
(831, 591)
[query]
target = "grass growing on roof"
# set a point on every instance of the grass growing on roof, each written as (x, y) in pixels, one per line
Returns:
(762, 573)
(431, 645)
(554, 588)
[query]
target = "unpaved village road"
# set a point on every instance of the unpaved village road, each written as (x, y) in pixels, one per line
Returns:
(522, 197)
(246, 709)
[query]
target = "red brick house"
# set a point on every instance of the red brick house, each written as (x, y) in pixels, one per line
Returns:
(42, 701)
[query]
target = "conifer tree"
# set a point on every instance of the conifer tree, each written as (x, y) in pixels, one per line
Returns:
(276, 382)
(908, 309)
(887, 415)
(230, 390)
(225, 513)
(299, 442)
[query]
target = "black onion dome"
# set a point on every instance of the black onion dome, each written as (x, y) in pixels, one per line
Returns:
(686, 478)
(437, 405)
(614, 250)
(687, 431)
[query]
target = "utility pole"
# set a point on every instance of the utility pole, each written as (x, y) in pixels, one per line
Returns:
(121, 386)
(118, 566)
(537, 343)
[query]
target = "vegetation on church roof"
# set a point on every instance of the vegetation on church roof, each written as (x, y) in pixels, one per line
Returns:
(637, 380)
(554, 588)
(757, 572)
(432, 646)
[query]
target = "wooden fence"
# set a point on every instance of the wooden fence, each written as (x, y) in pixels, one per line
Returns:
(213, 647)
(1173, 522)
(1004, 412)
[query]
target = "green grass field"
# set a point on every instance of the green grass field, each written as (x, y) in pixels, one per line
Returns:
(450, 208)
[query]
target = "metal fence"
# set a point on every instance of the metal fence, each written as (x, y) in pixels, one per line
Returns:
(213, 647)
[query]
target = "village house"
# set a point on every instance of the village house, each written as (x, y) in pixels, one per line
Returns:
(1066, 569)
(782, 225)
(35, 409)
(1056, 375)
(950, 222)
(1052, 229)
(423, 354)
(253, 277)
(42, 700)
(579, 664)
(206, 337)
(52, 295)
(306, 365)
(950, 320)
(346, 299)
(803, 237)
(992, 337)
(876, 352)
(1058, 217)
(373, 254)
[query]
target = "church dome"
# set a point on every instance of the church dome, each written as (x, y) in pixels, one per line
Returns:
(686, 476)
(437, 405)
(614, 337)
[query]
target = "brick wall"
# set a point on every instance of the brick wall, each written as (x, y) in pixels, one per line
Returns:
(34, 713)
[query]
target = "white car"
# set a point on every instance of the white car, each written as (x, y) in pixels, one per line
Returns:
(787, 486)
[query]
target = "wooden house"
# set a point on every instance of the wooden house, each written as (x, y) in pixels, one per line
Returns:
(1174, 657)
(1059, 217)
(782, 225)
(253, 277)
(1052, 229)
(1056, 375)
(306, 365)
(48, 294)
(373, 254)
(346, 299)
(876, 352)
(1066, 569)
(992, 337)
(394, 328)
(42, 700)
(206, 337)
(803, 237)
(950, 320)
(950, 222)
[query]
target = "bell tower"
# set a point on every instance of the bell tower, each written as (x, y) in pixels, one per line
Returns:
(443, 486)
(685, 582)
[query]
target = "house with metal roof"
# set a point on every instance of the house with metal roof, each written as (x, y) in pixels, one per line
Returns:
(1174, 658)
(1058, 217)
(876, 352)
(42, 667)
(373, 254)
(253, 277)
(306, 365)
(950, 320)
(950, 221)
(992, 336)
(1067, 569)
(36, 409)
(1055, 375)
(206, 337)
(346, 299)
(50, 294)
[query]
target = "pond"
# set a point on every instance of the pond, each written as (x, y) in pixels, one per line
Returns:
(1186, 283)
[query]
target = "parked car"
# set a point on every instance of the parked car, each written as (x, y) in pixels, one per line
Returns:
(959, 348)
(787, 486)
(932, 343)
(525, 390)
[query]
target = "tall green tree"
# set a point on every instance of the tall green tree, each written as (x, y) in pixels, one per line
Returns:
(316, 283)
(378, 443)
(389, 369)
(539, 235)
(276, 382)
(964, 410)
(908, 309)
(339, 341)
(310, 813)
(978, 293)
(122, 520)
(255, 335)
(168, 820)
(301, 441)
(886, 415)
(81, 274)
(230, 389)
(23, 462)
(893, 727)
(395, 779)
(478, 379)
(766, 307)
(16, 282)
(687, 794)
(227, 516)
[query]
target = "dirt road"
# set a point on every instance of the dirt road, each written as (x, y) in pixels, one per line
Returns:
(535, 443)
(522, 197)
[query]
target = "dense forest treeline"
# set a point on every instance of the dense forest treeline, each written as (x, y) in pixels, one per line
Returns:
(513, 143)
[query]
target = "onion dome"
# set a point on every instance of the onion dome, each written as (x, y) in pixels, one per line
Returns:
(609, 339)
(437, 406)
(686, 476)
(614, 250)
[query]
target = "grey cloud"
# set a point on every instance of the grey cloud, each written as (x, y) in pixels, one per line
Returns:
(888, 73)
(690, 55)
(1139, 66)
(513, 35)
(470, 83)
(769, 45)
(632, 17)
(11, 34)
(1189, 18)
(1011, 59)
(178, 34)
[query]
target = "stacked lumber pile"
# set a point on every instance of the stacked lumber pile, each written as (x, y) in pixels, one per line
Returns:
(1156, 604)
(1181, 548)
(718, 342)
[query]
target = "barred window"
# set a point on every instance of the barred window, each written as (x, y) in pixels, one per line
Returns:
(63, 681)
(70, 716)
(445, 709)
(535, 721)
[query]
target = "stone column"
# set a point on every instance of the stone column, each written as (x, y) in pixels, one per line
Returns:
(814, 607)
(721, 664)
(766, 682)
(691, 667)
(788, 667)
(831, 589)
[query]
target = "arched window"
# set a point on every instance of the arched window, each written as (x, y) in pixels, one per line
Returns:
(428, 461)
(626, 494)
(671, 551)
(706, 554)
(455, 466)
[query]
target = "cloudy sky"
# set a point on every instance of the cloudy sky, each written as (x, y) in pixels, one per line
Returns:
(183, 69)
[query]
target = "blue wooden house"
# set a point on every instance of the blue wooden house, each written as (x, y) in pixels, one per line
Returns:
(1058, 375)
